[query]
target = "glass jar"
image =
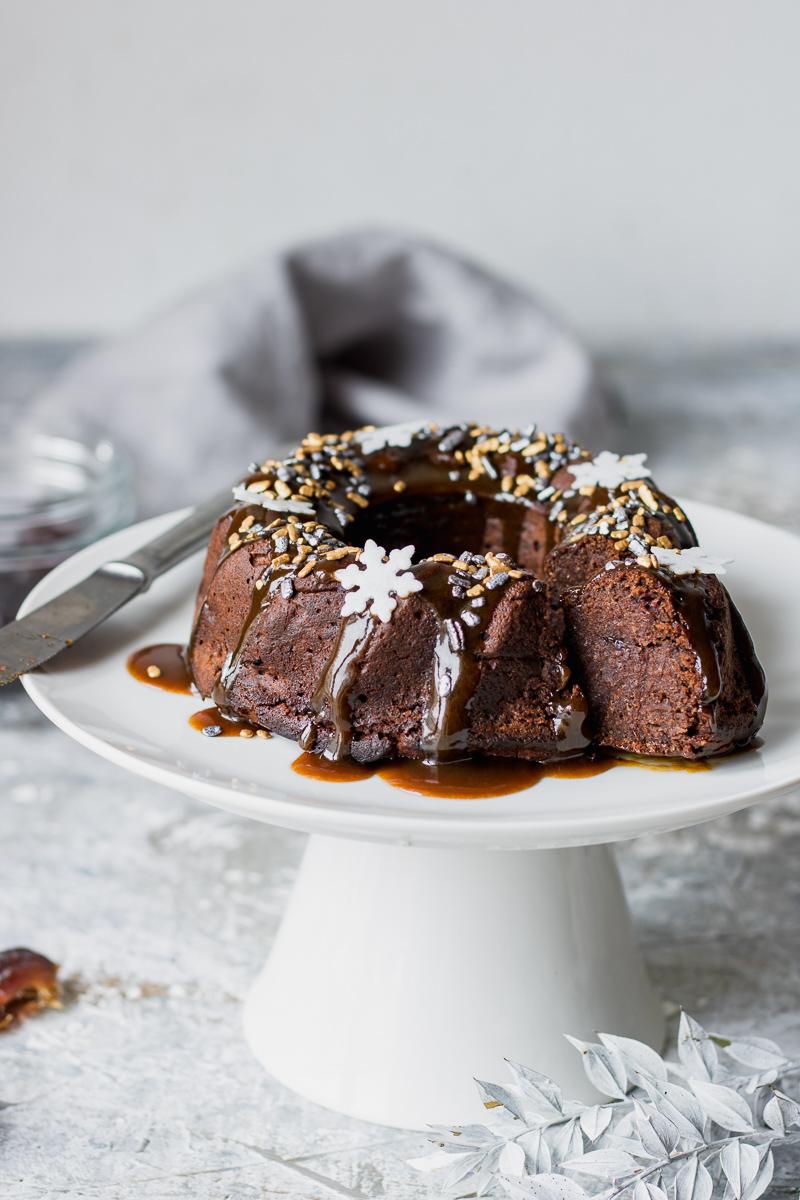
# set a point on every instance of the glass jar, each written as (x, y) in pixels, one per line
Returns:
(58, 493)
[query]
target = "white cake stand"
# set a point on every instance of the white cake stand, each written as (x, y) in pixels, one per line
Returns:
(414, 954)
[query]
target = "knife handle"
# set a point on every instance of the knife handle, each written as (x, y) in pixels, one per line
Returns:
(170, 548)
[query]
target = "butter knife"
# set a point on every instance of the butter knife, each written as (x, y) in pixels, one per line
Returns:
(58, 624)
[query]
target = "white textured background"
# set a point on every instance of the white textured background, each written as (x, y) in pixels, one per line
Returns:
(636, 162)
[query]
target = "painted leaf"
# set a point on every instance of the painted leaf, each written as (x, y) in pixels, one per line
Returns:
(696, 1050)
(678, 1105)
(631, 1145)
(492, 1095)
(659, 1136)
(567, 1143)
(724, 1105)
(511, 1160)
(759, 1053)
(644, 1190)
(461, 1169)
(595, 1120)
(763, 1179)
(602, 1164)
(693, 1181)
(781, 1112)
(544, 1186)
(636, 1056)
(604, 1067)
(740, 1164)
(434, 1161)
(537, 1152)
(539, 1091)
(463, 1137)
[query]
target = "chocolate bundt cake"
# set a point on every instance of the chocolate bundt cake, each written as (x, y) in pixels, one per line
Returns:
(337, 608)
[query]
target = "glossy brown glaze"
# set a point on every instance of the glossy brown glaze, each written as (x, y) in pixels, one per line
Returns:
(213, 723)
(162, 666)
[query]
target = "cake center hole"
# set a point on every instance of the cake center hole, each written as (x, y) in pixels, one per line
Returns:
(450, 523)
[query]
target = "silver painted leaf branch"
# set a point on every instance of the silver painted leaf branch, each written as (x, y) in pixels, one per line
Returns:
(699, 1126)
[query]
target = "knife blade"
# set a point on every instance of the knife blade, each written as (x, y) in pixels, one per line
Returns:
(34, 639)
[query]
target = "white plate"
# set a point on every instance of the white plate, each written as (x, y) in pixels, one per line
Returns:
(89, 694)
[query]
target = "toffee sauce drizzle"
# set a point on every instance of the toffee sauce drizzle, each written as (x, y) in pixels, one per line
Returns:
(477, 778)
(163, 666)
(430, 468)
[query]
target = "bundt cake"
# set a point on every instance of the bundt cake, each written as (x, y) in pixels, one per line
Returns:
(435, 593)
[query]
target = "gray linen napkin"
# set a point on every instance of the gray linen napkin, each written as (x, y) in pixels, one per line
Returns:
(363, 327)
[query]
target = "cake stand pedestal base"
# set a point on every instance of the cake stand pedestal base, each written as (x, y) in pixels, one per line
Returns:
(399, 973)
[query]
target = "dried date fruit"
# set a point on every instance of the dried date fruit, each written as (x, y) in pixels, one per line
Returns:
(27, 984)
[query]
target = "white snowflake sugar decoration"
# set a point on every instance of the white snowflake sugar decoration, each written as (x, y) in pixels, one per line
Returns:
(377, 579)
(693, 561)
(245, 496)
(608, 470)
(398, 436)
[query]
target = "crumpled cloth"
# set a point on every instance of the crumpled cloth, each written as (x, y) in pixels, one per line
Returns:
(365, 327)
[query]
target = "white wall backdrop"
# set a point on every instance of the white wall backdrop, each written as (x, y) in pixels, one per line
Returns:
(635, 160)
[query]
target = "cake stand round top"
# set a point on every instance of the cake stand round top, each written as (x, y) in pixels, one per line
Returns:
(90, 695)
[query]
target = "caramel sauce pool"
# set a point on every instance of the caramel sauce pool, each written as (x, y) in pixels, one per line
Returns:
(162, 666)
(477, 779)
(218, 725)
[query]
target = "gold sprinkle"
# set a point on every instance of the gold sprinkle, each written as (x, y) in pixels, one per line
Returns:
(515, 574)
(153, 671)
(664, 542)
(477, 590)
(445, 558)
(263, 733)
(679, 513)
(307, 569)
(507, 482)
(647, 498)
(260, 485)
(541, 468)
(306, 490)
(586, 491)
(259, 584)
(248, 733)
(340, 552)
(283, 489)
(247, 523)
(361, 501)
(399, 485)
(280, 560)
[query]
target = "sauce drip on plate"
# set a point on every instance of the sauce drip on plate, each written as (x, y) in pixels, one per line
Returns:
(476, 779)
(162, 666)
